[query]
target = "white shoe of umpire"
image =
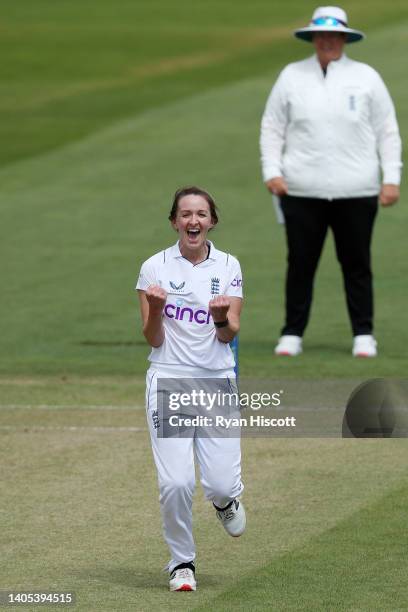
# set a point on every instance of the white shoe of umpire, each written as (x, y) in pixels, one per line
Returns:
(364, 346)
(233, 518)
(289, 345)
(182, 578)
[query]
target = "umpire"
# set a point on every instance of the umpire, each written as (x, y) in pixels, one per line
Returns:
(330, 149)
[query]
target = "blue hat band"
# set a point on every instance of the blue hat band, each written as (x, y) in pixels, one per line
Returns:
(328, 21)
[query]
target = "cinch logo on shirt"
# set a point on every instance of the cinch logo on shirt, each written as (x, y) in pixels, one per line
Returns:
(200, 316)
(237, 282)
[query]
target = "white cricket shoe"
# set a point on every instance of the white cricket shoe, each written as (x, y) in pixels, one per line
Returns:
(182, 578)
(364, 346)
(233, 518)
(289, 345)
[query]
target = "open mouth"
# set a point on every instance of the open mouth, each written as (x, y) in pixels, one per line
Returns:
(193, 233)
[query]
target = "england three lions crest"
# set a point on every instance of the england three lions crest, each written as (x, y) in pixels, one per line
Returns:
(215, 286)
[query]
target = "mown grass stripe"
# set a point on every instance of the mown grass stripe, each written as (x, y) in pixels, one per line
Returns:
(69, 428)
(360, 564)
(67, 407)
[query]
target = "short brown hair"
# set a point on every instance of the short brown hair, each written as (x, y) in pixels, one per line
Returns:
(193, 190)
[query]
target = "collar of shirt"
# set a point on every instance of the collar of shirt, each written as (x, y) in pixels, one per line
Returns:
(334, 65)
(175, 251)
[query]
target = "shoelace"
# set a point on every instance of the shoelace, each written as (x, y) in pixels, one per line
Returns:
(227, 514)
(183, 573)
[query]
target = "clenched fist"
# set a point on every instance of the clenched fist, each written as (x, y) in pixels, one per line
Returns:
(219, 307)
(156, 296)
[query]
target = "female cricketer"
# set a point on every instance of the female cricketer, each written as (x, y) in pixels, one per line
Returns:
(190, 298)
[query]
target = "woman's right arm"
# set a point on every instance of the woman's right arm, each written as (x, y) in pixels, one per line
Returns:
(152, 302)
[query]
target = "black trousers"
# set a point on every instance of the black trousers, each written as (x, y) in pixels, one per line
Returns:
(307, 221)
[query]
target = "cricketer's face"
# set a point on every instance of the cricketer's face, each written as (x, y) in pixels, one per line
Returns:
(329, 46)
(193, 221)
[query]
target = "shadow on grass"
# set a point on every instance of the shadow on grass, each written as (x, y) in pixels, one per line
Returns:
(310, 347)
(135, 578)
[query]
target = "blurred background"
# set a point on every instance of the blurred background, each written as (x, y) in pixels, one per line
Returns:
(106, 109)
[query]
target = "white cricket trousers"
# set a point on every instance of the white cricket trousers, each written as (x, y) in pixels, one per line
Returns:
(219, 460)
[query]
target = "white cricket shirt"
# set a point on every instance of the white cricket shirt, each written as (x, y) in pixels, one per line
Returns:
(190, 337)
(329, 136)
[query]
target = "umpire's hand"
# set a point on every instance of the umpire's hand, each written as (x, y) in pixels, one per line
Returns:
(277, 186)
(389, 194)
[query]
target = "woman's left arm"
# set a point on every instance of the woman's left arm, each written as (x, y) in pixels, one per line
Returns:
(384, 123)
(225, 311)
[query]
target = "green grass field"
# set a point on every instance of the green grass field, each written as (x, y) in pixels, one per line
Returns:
(105, 110)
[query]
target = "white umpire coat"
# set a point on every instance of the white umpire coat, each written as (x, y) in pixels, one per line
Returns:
(333, 136)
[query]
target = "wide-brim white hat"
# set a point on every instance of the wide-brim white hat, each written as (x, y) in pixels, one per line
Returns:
(329, 19)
